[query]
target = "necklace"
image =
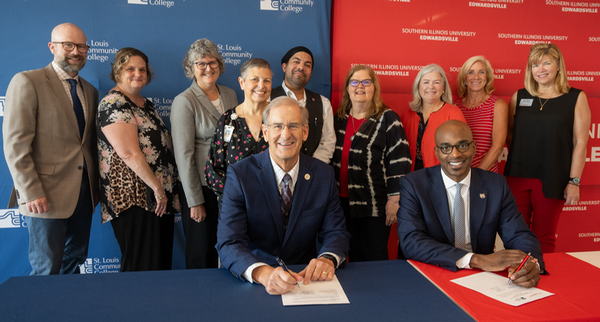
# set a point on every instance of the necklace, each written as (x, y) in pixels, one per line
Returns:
(543, 103)
(354, 129)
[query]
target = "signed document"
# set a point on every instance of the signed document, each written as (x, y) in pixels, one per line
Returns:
(497, 287)
(317, 292)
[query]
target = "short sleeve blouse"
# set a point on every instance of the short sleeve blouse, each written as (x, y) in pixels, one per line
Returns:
(121, 188)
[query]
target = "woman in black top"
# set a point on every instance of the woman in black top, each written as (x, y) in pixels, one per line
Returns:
(547, 140)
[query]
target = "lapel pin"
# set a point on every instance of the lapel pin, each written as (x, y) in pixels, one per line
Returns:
(307, 176)
(482, 195)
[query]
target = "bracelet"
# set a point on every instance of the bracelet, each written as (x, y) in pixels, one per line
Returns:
(159, 197)
(573, 183)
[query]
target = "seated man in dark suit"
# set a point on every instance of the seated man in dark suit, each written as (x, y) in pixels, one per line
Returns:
(457, 229)
(278, 204)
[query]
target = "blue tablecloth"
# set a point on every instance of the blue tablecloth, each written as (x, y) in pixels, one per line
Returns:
(378, 291)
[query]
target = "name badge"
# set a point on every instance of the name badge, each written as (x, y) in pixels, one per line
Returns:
(526, 102)
(228, 133)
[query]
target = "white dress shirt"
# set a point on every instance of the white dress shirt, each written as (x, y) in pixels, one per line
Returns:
(451, 192)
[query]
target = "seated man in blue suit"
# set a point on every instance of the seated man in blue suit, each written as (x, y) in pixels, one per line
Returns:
(278, 204)
(439, 226)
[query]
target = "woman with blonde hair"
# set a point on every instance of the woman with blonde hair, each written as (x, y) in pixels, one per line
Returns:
(548, 132)
(486, 114)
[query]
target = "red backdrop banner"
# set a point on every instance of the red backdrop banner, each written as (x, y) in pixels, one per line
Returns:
(397, 37)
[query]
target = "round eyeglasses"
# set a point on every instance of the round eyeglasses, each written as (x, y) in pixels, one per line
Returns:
(461, 147)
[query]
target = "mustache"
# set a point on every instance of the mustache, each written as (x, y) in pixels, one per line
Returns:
(299, 71)
(74, 56)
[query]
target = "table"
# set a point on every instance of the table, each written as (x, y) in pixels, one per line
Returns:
(574, 282)
(378, 291)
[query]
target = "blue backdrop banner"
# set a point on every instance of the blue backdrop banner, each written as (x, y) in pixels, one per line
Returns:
(163, 30)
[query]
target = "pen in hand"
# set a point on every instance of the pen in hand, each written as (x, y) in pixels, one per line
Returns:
(282, 264)
(523, 262)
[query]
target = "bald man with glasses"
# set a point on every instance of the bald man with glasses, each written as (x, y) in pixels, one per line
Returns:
(450, 213)
(50, 147)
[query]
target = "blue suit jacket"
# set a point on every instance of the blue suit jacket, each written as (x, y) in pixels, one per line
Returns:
(424, 222)
(250, 226)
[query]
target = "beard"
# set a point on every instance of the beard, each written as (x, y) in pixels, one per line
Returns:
(72, 68)
(297, 81)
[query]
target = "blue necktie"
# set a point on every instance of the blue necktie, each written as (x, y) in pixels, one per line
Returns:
(458, 219)
(286, 199)
(77, 107)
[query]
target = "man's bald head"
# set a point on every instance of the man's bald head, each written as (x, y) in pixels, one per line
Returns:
(66, 29)
(456, 126)
(63, 35)
(454, 148)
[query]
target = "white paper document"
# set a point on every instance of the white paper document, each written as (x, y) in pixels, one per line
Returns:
(497, 287)
(317, 292)
(589, 257)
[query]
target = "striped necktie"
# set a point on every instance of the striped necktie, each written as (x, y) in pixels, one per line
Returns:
(286, 199)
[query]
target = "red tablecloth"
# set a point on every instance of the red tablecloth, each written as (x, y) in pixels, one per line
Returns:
(575, 284)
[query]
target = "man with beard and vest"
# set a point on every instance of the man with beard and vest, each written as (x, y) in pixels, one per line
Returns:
(297, 64)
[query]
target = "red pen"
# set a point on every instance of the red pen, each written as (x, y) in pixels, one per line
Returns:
(523, 262)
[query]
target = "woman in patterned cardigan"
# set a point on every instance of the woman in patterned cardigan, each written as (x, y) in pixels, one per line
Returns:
(371, 155)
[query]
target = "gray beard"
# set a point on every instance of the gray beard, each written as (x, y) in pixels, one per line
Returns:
(71, 68)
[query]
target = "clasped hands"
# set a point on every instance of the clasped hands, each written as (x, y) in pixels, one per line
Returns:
(528, 276)
(277, 281)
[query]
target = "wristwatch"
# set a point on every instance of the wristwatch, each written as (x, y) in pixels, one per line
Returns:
(331, 258)
(575, 180)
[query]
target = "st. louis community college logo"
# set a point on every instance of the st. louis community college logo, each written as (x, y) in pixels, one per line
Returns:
(10, 218)
(269, 5)
(2, 105)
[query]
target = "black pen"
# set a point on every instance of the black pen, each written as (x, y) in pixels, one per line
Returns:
(282, 264)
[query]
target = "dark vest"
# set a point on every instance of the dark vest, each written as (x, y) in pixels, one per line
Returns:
(314, 105)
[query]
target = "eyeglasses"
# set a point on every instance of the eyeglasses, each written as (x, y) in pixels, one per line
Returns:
(461, 147)
(365, 82)
(202, 65)
(278, 127)
(69, 46)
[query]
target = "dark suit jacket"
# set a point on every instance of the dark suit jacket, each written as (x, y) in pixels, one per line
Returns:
(43, 148)
(250, 222)
(424, 222)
